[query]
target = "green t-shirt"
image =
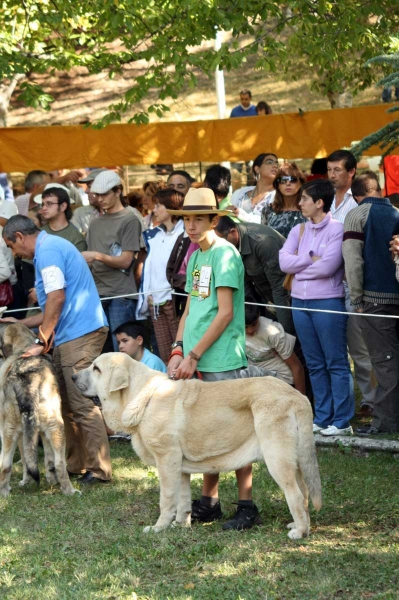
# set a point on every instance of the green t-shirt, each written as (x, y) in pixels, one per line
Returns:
(220, 266)
(69, 233)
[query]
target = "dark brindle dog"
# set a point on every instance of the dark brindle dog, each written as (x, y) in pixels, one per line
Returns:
(30, 405)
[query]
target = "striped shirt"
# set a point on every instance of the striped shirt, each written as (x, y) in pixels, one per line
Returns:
(346, 206)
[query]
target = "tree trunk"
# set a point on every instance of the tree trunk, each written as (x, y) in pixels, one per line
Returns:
(6, 91)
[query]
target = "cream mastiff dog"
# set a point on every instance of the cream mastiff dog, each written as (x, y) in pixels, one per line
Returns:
(190, 426)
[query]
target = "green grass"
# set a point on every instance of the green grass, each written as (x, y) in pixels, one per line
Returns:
(57, 547)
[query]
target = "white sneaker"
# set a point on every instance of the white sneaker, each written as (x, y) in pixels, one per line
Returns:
(332, 430)
(316, 428)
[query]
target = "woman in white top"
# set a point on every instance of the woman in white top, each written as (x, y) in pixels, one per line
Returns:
(248, 202)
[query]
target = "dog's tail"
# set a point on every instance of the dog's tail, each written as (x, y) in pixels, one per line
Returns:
(307, 455)
(28, 403)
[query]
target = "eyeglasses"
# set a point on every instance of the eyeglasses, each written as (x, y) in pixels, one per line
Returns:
(270, 162)
(47, 204)
(287, 179)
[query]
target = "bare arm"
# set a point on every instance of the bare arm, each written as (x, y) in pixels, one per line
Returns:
(48, 319)
(116, 262)
(298, 373)
(175, 361)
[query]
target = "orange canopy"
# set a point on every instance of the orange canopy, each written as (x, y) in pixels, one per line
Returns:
(311, 135)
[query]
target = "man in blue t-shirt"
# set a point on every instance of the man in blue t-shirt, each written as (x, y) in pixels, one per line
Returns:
(73, 320)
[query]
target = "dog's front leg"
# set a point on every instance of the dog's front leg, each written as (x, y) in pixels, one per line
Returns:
(183, 516)
(169, 471)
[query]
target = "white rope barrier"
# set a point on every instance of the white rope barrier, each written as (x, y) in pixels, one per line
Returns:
(292, 308)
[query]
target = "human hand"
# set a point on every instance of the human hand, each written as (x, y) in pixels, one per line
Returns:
(173, 364)
(186, 369)
(8, 320)
(32, 297)
(34, 350)
(72, 176)
(233, 209)
(394, 245)
(315, 258)
(89, 256)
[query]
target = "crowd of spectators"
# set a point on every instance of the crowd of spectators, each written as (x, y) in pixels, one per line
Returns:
(332, 231)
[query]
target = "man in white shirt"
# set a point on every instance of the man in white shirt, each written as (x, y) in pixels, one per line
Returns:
(341, 170)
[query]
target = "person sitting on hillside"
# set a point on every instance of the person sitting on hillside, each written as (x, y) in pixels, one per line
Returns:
(262, 108)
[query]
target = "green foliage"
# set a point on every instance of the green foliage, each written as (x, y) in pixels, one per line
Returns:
(387, 138)
(330, 39)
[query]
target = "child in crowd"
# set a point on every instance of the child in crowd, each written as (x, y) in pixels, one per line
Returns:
(130, 337)
(270, 348)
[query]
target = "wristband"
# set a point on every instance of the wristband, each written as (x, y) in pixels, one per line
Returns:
(175, 352)
(194, 356)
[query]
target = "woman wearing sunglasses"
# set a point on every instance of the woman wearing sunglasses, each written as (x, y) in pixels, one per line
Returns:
(248, 202)
(284, 212)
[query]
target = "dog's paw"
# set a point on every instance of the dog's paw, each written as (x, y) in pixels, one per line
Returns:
(51, 479)
(4, 491)
(291, 525)
(25, 481)
(295, 534)
(153, 529)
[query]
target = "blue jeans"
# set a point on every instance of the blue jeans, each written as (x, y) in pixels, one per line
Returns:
(118, 311)
(323, 340)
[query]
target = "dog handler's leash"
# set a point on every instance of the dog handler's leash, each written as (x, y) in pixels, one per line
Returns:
(47, 343)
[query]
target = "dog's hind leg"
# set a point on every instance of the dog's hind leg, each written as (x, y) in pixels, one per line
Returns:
(280, 459)
(56, 439)
(305, 492)
(183, 516)
(169, 470)
(26, 478)
(8, 445)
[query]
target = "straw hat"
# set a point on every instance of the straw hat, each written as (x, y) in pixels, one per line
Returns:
(200, 201)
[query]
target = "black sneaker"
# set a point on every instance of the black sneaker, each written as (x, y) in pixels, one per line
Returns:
(246, 517)
(368, 430)
(200, 512)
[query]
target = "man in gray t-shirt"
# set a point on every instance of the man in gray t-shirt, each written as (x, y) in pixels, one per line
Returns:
(113, 244)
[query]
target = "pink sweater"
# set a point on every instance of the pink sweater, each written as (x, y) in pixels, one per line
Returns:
(320, 279)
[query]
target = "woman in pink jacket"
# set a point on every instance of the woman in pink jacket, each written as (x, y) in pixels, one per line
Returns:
(315, 257)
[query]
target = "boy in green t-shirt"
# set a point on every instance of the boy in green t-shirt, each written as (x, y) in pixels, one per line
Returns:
(211, 334)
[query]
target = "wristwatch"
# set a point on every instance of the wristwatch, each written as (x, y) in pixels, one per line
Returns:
(39, 342)
(176, 344)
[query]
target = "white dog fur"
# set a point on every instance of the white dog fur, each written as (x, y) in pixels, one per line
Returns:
(190, 426)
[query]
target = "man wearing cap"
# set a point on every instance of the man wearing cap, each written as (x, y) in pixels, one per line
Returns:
(56, 211)
(211, 334)
(72, 314)
(83, 215)
(113, 241)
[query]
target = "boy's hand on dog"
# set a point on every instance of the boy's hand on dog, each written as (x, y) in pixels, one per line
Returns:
(173, 364)
(34, 350)
(186, 369)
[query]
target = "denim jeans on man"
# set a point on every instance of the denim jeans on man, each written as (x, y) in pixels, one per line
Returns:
(323, 340)
(118, 311)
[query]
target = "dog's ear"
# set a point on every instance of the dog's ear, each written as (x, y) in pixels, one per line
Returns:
(119, 378)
